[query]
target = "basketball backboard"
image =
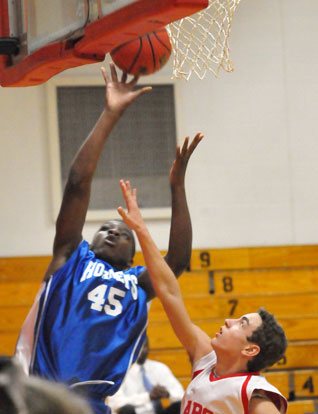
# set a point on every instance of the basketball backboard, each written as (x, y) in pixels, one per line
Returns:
(40, 38)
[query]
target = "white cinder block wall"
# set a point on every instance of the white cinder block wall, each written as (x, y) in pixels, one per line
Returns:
(252, 181)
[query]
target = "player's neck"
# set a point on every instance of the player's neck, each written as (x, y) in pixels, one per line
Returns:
(229, 366)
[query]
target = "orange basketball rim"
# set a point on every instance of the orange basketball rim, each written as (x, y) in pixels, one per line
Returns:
(18, 67)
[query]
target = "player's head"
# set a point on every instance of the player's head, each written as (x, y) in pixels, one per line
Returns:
(254, 341)
(29, 395)
(271, 339)
(44, 397)
(114, 242)
(11, 389)
(231, 343)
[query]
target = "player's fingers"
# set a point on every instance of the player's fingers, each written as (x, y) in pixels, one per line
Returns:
(124, 190)
(122, 212)
(124, 77)
(143, 90)
(134, 80)
(198, 137)
(185, 146)
(177, 153)
(122, 184)
(196, 140)
(128, 186)
(104, 73)
(113, 72)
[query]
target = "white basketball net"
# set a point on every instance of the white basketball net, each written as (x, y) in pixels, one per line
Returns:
(200, 42)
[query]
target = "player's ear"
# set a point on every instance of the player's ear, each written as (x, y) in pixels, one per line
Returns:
(251, 350)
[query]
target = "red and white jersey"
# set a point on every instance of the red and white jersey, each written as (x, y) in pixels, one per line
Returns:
(225, 395)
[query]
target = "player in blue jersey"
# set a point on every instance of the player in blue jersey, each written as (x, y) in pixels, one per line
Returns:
(88, 322)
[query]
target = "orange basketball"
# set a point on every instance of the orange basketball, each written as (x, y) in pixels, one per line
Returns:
(144, 55)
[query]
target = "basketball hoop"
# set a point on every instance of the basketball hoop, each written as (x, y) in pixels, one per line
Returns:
(200, 42)
(36, 46)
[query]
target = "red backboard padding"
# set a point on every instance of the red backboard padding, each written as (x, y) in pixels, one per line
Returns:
(101, 36)
(4, 29)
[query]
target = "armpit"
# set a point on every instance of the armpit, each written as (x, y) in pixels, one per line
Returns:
(261, 394)
(270, 396)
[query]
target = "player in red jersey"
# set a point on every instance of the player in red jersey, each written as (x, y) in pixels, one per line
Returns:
(226, 377)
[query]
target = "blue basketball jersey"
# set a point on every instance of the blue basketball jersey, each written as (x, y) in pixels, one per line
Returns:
(90, 325)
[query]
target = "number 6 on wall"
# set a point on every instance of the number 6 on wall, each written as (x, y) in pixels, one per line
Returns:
(97, 296)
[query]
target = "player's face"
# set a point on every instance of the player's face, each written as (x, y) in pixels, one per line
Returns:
(233, 335)
(114, 243)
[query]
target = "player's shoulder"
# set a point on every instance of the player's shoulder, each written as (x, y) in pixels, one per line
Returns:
(262, 390)
(65, 261)
(260, 382)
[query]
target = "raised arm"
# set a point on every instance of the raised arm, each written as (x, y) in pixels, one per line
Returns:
(196, 342)
(71, 218)
(180, 241)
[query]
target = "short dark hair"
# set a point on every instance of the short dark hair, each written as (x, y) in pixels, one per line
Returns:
(271, 339)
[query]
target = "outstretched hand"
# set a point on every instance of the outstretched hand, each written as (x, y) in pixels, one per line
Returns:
(179, 166)
(132, 217)
(120, 94)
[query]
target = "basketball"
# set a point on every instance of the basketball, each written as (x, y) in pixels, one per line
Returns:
(143, 55)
